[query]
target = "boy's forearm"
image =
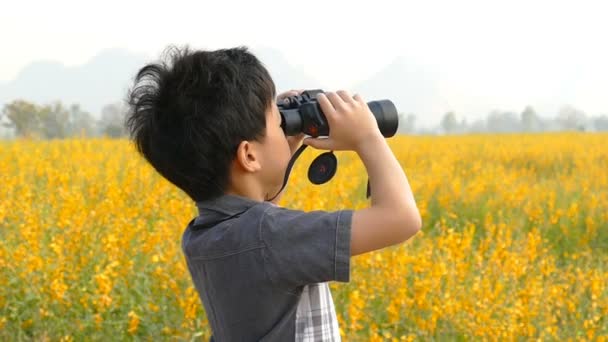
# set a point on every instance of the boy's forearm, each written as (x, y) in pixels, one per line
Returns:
(389, 185)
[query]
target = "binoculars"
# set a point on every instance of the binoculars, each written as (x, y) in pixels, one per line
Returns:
(302, 114)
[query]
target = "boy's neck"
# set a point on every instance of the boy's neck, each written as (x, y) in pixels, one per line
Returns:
(247, 185)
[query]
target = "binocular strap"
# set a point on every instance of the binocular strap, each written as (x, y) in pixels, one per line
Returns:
(289, 166)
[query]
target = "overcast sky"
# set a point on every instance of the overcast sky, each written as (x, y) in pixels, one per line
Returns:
(509, 53)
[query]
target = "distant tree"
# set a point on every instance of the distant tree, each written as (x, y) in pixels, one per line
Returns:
(530, 120)
(600, 123)
(54, 120)
(81, 122)
(23, 116)
(449, 124)
(112, 120)
(571, 118)
(501, 121)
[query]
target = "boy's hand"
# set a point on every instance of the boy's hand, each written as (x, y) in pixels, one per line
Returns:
(292, 92)
(351, 122)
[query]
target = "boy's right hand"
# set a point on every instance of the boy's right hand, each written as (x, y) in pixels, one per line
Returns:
(351, 122)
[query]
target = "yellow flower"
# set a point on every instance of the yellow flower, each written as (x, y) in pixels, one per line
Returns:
(133, 322)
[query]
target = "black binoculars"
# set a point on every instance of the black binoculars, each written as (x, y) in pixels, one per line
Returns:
(302, 114)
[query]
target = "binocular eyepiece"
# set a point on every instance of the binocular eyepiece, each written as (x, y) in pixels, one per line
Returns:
(302, 114)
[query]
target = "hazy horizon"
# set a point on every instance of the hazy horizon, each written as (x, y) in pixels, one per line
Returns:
(482, 55)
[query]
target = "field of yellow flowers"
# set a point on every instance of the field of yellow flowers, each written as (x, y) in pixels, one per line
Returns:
(514, 242)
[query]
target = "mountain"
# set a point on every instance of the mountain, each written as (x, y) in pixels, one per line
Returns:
(102, 80)
(413, 88)
(106, 78)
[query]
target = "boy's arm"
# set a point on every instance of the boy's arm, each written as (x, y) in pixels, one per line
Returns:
(393, 216)
(305, 247)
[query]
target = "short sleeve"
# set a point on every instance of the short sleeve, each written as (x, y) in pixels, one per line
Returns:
(306, 247)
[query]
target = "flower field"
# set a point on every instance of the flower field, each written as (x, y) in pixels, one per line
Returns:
(514, 243)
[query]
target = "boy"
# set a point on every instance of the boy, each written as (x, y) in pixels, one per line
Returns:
(208, 122)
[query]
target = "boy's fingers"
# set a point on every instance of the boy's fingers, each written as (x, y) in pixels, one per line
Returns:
(286, 94)
(358, 98)
(345, 96)
(336, 100)
(320, 144)
(326, 106)
(292, 92)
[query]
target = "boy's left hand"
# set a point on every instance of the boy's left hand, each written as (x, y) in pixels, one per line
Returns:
(294, 141)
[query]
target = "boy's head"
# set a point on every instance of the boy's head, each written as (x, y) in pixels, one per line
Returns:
(207, 121)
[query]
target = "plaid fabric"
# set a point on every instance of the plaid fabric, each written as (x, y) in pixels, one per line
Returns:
(316, 316)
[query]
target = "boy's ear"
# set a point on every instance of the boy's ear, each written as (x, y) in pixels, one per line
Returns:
(247, 157)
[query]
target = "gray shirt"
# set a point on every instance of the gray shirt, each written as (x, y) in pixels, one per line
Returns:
(250, 260)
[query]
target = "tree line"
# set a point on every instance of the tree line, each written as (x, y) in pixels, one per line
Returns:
(56, 121)
(568, 118)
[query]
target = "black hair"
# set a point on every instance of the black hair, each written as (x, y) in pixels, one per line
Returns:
(187, 116)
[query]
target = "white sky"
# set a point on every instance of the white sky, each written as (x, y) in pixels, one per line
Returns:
(503, 54)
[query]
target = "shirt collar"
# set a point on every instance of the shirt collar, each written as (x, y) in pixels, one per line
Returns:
(227, 204)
